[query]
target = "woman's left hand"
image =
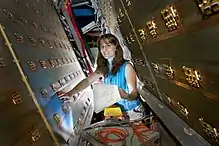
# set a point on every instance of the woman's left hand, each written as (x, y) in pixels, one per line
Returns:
(123, 94)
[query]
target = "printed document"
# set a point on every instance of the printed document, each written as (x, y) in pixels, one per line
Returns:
(104, 96)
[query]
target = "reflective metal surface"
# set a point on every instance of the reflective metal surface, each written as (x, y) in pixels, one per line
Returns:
(36, 61)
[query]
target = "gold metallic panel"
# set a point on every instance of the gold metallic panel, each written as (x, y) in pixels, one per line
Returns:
(152, 27)
(57, 118)
(171, 17)
(54, 87)
(209, 130)
(16, 98)
(35, 25)
(19, 38)
(128, 3)
(59, 61)
(34, 134)
(169, 71)
(43, 64)
(32, 40)
(8, 14)
(44, 93)
(51, 62)
(193, 76)
(31, 65)
(208, 7)
(23, 20)
(43, 42)
(183, 111)
(142, 33)
(2, 63)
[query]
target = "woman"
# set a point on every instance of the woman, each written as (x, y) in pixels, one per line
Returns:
(117, 71)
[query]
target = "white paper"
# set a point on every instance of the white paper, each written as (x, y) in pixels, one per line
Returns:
(104, 96)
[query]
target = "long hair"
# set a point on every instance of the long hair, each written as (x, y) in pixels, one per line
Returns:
(118, 59)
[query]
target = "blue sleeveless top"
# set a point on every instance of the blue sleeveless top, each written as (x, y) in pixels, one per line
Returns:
(120, 80)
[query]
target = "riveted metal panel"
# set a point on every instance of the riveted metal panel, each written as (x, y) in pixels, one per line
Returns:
(179, 41)
(18, 111)
(48, 63)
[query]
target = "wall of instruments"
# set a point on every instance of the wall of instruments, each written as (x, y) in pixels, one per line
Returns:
(36, 61)
(174, 49)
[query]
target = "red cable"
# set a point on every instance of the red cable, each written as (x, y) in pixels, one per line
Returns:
(102, 135)
(139, 131)
(68, 6)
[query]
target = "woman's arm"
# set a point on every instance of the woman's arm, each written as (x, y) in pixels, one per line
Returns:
(130, 76)
(84, 83)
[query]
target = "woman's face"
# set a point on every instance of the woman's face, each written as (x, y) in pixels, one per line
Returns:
(107, 49)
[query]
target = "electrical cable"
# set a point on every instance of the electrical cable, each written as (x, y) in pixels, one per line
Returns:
(108, 122)
(86, 130)
(139, 131)
(134, 133)
(103, 135)
(113, 123)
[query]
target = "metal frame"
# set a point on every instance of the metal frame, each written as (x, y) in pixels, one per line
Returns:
(76, 38)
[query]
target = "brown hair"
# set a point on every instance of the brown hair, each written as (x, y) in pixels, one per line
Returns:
(117, 61)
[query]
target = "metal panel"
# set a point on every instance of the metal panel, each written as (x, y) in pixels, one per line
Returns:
(49, 64)
(190, 56)
(184, 134)
(20, 122)
(31, 131)
(83, 111)
(179, 40)
(135, 42)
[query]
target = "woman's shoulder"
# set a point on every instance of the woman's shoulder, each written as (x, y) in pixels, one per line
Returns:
(129, 67)
(127, 64)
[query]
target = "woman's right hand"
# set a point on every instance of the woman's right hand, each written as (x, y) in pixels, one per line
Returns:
(64, 95)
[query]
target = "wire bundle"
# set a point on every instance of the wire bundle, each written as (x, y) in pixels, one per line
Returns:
(103, 135)
(139, 131)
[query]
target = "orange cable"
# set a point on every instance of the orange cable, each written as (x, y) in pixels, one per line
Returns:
(102, 135)
(139, 131)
